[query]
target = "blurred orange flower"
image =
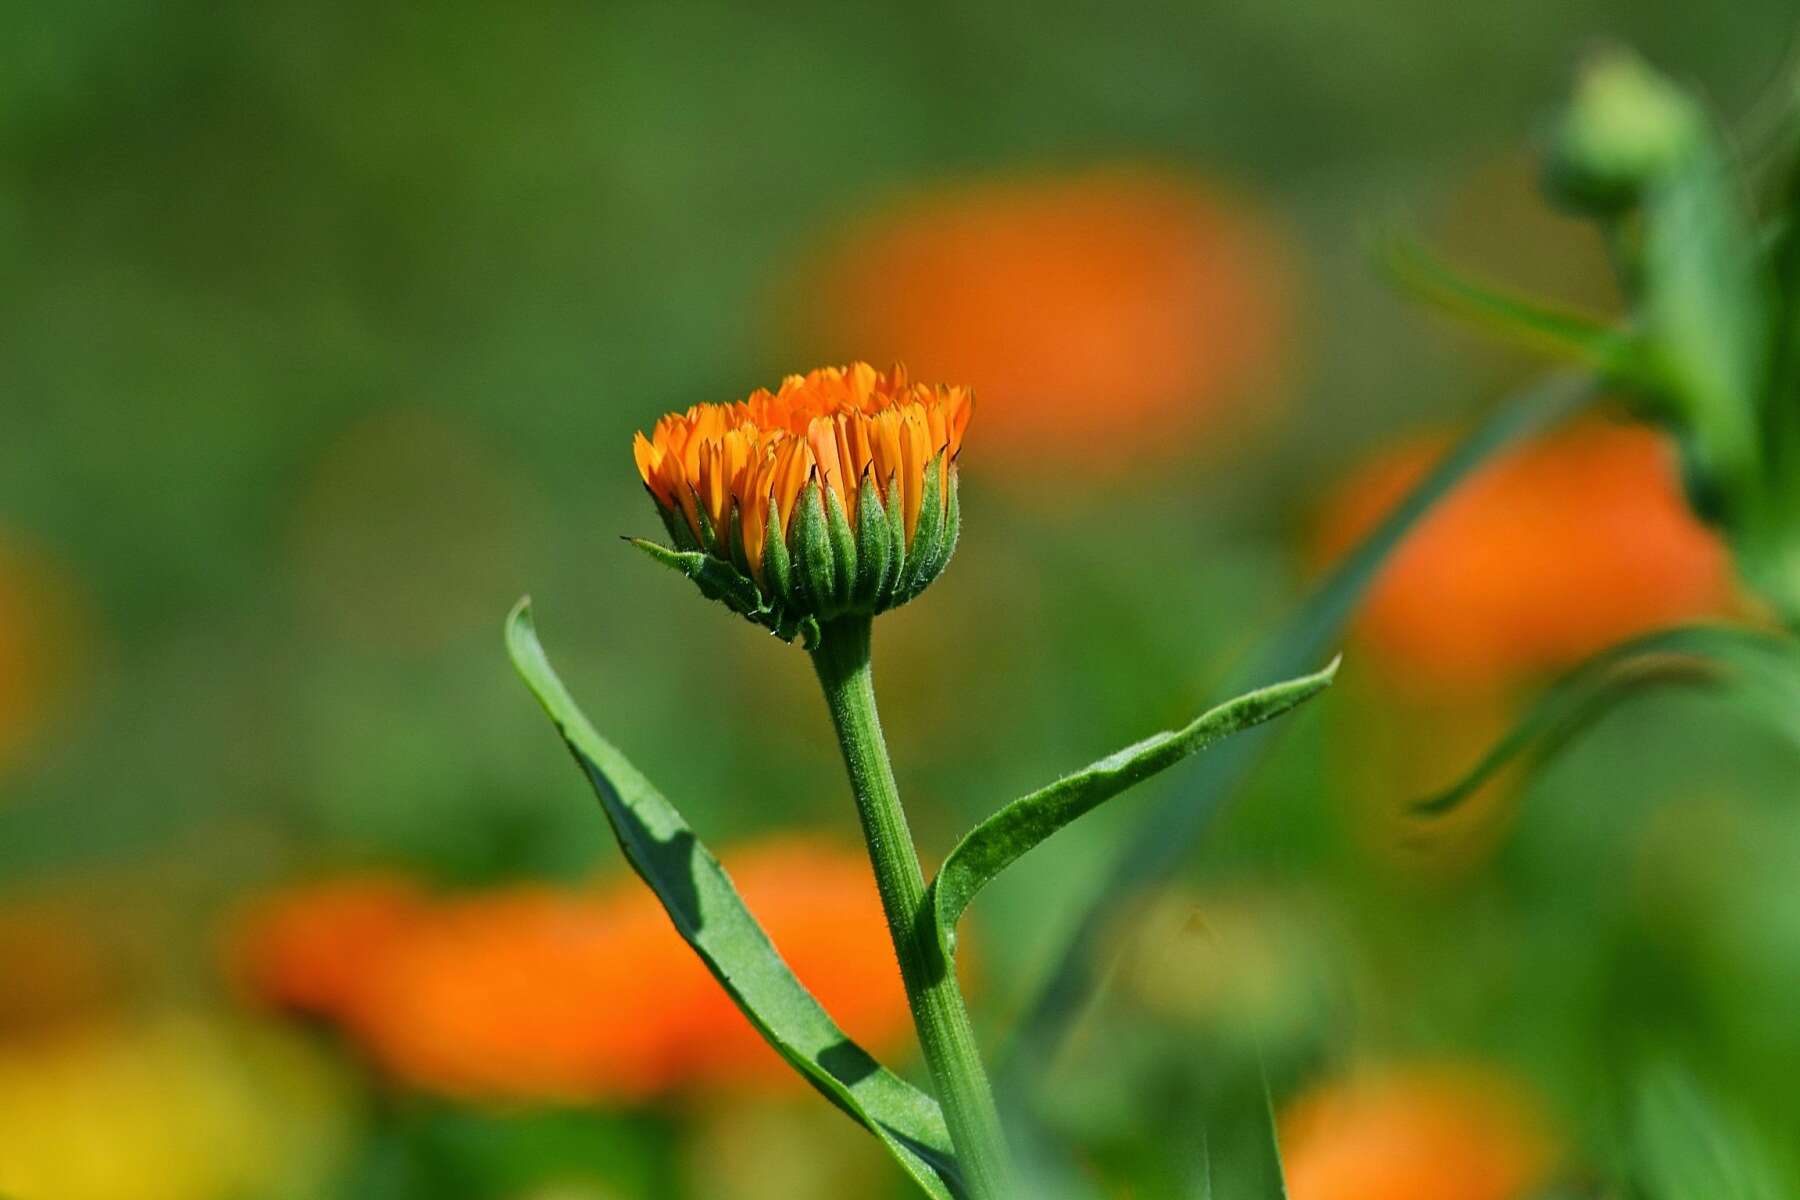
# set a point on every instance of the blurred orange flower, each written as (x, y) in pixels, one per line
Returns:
(1100, 316)
(1423, 1134)
(536, 993)
(1542, 558)
(310, 948)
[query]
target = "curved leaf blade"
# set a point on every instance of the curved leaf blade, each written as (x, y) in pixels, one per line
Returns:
(1009, 834)
(1175, 821)
(1535, 324)
(712, 918)
(1694, 655)
(1688, 1146)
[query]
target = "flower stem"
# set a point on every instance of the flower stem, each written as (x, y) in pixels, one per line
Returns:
(939, 1015)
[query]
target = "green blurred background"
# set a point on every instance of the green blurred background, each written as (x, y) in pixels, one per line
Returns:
(324, 331)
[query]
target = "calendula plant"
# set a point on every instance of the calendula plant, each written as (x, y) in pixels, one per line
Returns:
(810, 510)
(1705, 241)
(1704, 235)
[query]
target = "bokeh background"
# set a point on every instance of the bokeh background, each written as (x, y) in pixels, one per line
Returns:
(323, 334)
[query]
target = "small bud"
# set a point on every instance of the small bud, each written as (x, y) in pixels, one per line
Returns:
(1626, 126)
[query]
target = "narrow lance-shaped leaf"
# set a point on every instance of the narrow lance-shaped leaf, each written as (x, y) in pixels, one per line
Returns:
(1687, 1146)
(710, 915)
(1175, 821)
(1274, 1170)
(1005, 837)
(1535, 324)
(1695, 655)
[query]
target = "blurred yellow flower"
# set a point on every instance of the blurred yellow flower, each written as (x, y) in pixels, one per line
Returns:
(1426, 1133)
(172, 1108)
(1544, 557)
(1102, 315)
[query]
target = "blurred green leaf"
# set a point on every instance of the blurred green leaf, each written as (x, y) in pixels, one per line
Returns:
(1175, 822)
(1706, 311)
(1563, 333)
(1690, 655)
(1240, 1147)
(1686, 1147)
(710, 915)
(1005, 837)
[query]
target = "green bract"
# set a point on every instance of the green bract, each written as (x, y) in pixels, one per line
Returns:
(825, 567)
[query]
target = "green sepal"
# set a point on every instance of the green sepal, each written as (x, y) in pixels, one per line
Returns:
(716, 578)
(897, 560)
(680, 534)
(843, 550)
(925, 556)
(815, 577)
(710, 541)
(952, 520)
(719, 580)
(778, 575)
(874, 549)
(738, 558)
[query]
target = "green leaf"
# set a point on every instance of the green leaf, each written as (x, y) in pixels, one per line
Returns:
(1707, 314)
(1537, 325)
(710, 915)
(1689, 655)
(1005, 837)
(1240, 1150)
(1685, 1146)
(1174, 822)
(1274, 1173)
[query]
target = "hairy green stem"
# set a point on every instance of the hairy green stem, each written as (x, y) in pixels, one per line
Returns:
(939, 1015)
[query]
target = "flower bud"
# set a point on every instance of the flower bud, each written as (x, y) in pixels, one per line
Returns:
(834, 495)
(1626, 126)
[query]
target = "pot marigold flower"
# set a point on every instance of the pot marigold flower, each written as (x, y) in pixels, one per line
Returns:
(538, 994)
(309, 949)
(1545, 556)
(1421, 1134)
(834, 494)
(1103, 314)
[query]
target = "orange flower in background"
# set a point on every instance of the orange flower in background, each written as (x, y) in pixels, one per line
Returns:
(1549, 554)
(542, 994)
(311, 948)
(1101, 316)
(1425, 1134)
(529, 994)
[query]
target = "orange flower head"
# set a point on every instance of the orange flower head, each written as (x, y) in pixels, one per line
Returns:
(1104, 314)
(312, 949)
(1424, 1134)
(1542, 558)
(834, 494)
(540, 994)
